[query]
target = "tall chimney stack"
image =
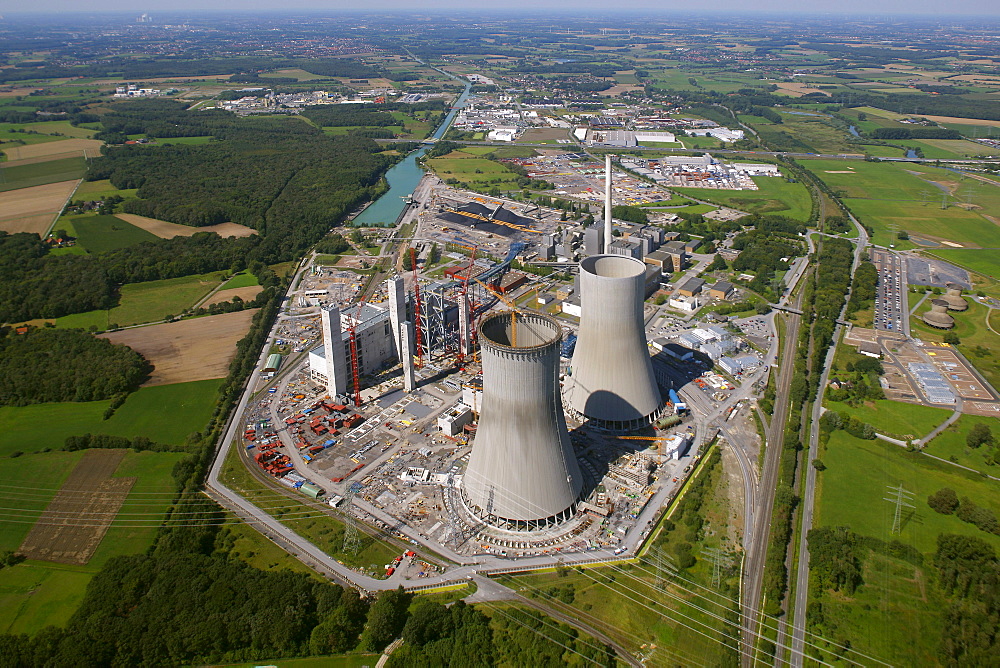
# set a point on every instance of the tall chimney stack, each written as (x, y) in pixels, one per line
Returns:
(607, 204)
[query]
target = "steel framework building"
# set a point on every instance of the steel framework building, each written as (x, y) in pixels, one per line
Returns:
(522, 473)
(612, 381)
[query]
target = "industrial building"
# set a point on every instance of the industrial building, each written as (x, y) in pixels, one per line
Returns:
(522, 472)
(612, 381)
(375, 345)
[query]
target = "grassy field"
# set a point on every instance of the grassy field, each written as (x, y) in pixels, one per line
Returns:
(337, 661)
(96, 190)
(985, 262)
(97, 233)
(248, 545)
(951, 444)
(978, 343)
(145, 302)
(242, 280)
(51, 129)
(774, 195)
(856, 479)
(35, 594)
(41, 173)
(164, 413)
(895, 417)
(473, 170)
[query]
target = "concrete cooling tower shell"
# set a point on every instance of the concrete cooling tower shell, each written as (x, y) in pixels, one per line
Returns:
(522, 471)
(612, 379)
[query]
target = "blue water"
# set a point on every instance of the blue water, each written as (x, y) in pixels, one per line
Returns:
(854, 131)
(910, 153)
(403, 178)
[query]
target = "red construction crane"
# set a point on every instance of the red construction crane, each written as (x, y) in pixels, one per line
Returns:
(468, 311)
(418, 348)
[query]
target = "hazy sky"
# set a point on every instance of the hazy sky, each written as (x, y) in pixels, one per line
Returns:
(975, 7)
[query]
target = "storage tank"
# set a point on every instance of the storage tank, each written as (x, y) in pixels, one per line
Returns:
(522, 473)
(612, 381)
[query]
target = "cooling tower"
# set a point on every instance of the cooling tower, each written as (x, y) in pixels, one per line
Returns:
(612, 381)
(522, 470)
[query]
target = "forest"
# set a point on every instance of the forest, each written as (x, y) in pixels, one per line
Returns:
(47, 364)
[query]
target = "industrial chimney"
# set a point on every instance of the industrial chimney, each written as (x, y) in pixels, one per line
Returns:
(612, 381)
(522, 473)
(607, 204)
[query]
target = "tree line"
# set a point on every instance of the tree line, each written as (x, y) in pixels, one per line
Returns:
(48, 364)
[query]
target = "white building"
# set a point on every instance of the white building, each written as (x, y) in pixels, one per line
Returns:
(454, 419)
(689, 304)
(375, 344)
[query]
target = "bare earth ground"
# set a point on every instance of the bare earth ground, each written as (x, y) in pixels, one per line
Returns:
(246, 294)
(800, 89)
(72, 527)
(53, 148)
(197, 349)
(32, 209)
(165, 230)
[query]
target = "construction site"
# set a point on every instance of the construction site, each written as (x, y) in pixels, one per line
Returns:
(442, 408)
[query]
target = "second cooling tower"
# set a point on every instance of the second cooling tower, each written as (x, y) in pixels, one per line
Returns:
(612, 381)
(522, 472)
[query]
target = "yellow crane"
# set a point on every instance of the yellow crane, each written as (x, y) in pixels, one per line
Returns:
(514, 310)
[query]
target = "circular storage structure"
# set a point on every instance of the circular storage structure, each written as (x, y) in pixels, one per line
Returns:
(953, 297)
(522, 473)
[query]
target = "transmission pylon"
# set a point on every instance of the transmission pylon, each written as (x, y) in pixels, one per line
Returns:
(719, 561)
(352, 541)
(665, 567)
(902, 497)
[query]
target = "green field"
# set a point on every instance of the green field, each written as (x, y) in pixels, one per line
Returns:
(46, 129)
(774, 195)
(145, 302)
(950, 444)
(895, 417)
(98, 233)
(856, 479)
(242, 280)
(96, 190)
(35, 594)
(164, 413)
(890, 197)
(477, 172)
(338, 661)
(42, 173)
(986, 262)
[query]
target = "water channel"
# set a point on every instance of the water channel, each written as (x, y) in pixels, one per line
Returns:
(404, 177)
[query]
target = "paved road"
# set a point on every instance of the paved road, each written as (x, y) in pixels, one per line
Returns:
(808, 492)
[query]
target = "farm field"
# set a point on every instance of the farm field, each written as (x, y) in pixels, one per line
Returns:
(52, 149)
(50, 128)
(165, 230)
(95, 190)
(195, 349)
(246, 294)
(98, 233)
(191, 141)
(35, 594)
(774, 195)
(165, 414)
(981, 261)
(151, 301)
(857, 474)
(33, 209)
(41, 173)
(950, 444)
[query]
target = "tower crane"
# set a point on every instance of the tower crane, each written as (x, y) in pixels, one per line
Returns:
(660, 440)
(514, 309)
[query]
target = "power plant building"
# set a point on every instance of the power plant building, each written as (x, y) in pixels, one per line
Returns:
(612, 381)
(522, 472)
(330, 363)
